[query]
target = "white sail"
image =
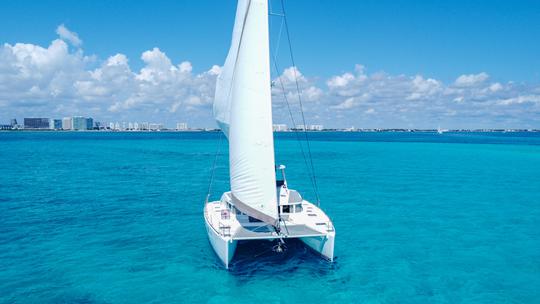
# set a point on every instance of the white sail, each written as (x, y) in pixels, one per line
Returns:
(223, 94)
(243, 109)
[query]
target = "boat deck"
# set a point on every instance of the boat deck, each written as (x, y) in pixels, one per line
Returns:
(311, 222)
(266, 232)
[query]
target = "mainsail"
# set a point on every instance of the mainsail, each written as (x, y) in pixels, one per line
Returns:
(243, 110)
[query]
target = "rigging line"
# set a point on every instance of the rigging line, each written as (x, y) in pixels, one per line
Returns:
(286, 228)
(218, 150)
(274, 60)
(276, 50)
(278, 41)
(300, 101)
(299, 140)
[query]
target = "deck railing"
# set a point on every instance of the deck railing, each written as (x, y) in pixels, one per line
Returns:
(225, 230)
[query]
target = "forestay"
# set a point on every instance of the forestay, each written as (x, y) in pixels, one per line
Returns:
(243, 110)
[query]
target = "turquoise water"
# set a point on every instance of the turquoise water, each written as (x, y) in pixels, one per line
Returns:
(117, 218)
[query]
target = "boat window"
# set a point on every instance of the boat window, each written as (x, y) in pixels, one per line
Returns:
(254, 220)
(286, 209)
(298, 208)
(294, 197)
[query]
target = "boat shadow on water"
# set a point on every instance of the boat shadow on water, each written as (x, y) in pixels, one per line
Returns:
(260, 257)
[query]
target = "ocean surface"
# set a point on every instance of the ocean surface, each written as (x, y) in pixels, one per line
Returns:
(89, 217)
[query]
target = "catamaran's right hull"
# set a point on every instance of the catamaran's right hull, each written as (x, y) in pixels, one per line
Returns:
(324, 245)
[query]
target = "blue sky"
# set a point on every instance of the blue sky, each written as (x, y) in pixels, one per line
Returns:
(438, 40)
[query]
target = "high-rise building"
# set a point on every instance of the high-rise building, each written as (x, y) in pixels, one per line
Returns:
(83, 123)
(67, 123)
(181, 126)
(79, 123)
(14, 122)
(89, 123)
(36, 123)
(315, 128)
(55, 124)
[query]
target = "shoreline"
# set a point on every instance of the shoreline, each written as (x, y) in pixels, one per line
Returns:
(290, 131)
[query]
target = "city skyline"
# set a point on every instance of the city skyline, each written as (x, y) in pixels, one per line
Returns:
(81, 123)
(450, 67)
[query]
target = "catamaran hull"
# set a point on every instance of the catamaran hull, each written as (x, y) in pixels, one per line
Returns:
(223, 247)
(324, 245)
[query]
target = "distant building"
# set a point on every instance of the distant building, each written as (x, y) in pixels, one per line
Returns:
(111, 125)
(55, 124)
(67, 123)
(6, 127)
(315, 128)
(155, 126)
(89, 123)
(136, 126)
(36, 123)
(301, 127)
(117, 126)
(181, 126)
(14, 123)
(280, 127)
(79, 123)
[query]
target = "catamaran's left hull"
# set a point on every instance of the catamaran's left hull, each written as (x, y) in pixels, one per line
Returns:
(224, 247)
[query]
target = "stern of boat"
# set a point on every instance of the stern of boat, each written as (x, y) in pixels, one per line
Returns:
(219, 232)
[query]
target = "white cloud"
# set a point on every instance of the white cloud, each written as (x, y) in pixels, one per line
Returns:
(68, 35)
(57, 81)
(533, 99)
(348, 103)
(340, 81)
(424, 88)
(380, 99)
(496, 87)
(471, 79)
(370, 111)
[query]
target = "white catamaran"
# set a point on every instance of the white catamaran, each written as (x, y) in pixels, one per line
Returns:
(259, 206)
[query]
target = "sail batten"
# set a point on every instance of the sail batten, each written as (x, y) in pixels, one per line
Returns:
(243, 110)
